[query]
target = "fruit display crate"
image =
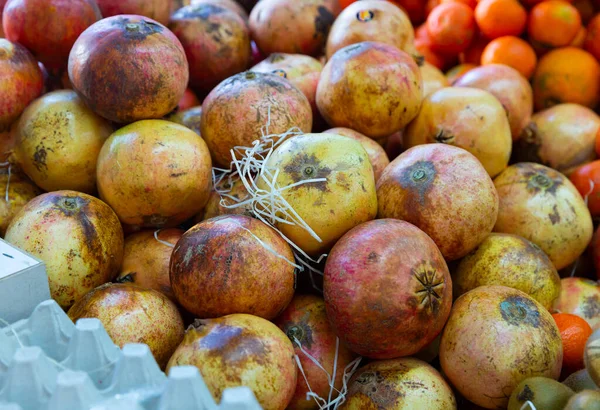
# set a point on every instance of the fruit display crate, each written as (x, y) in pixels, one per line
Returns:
(49, 363)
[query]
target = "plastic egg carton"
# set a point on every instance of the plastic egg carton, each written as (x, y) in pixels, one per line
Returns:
(49, 363)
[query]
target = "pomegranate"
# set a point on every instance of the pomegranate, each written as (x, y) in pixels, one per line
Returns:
(468, 118)
(159, 10)
(57, 142)
(509, 87)
(77, 236)
(291, 26)
(542, 205)
(562, 137)
(512, 261)
(190, 118)
(232, 5)
(131, 314)
(580, 297)
(443, 190)
(217, 205)
(350, 95)
(49, 27)
(387, 289)
(485, 366)
(146, 259)
(433, 79)
(21, 81)
(2, 4)
(241, 350)
(128, 68)
(225, 265)
(371, 20)
(305, 322)
(154, 173)
(377, 156)
(216, 41)
(401, 384)
(234, 113)
(188, 100)
(20, 191)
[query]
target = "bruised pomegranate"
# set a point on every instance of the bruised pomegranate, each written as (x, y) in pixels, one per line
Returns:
(225, 265)
(232, 5)
(543, 206)
(131, 314)
(57, 142)
(305, 323)
(509, 87)
(154, 173)
(241, 350)
(49, 27)
(20, 191)
(387, 289)
(159, 10)
(468, 118)
(146, 259)
(234, 113)
(433, 79)
(292, 26)
(581, 297)
(77, 236)
(371, 20)
(128, 68)
(443, 190)
(350, 95)
(474, 351)
(562, 137)
(21, 81)
(216, 41)
(400, 384)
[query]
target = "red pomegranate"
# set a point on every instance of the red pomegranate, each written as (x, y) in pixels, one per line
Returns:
(159, 10)
(387, 289)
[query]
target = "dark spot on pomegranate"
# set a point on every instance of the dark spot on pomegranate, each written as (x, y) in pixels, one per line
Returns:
(538, 180)
(418, 179)
(591, 307)
(443, 137)
(525, 395)
(431, 287)
(303, 167)
(517, 310)
(554, 216)
(373, 257)
(199, 11)
(138, 30)
(301, 332)
(39, 158)
(234, 346)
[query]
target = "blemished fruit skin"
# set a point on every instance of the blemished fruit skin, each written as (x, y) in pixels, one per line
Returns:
(76, 235)
(387, 289)
(159, 10)
(443, 190)
(543, 392)
(131, 314)
(305, 321)
(241, 350)
(485, 366)
(402, 384)
(128, 68)
(21, 190)
(544, 207)
(581, 297)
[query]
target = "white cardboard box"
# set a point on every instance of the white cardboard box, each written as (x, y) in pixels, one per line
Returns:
(23, 283)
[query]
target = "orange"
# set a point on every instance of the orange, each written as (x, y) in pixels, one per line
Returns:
(498, 18)
(458, 71)
(451, 27)
(586, 179)
(423, 46)
(511, 51)
(592, 40)
(574, 332)
(553, 23)
(566, 75)
(472, 55)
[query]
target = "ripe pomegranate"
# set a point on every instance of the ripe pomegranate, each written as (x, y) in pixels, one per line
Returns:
(234, 113)
(350, 95)
(291, 26)
(77, 236)
(433, 79)
(509, 87)
(190, 118)
(216, 41)
(580, 297)
(371, 20)
(443, 190)
(225, 265)
(146, 259)
(387, 289)
(131, 314)
(57, 142)
(188, 100)
(159, 10)
(468, 118)
(482, 321)
(241, 350)
(542, 205)
(154, 173)
(305, 321)
(48, 28)
(217, 205)
(377, 156)
(232, 5)
(128, 68)
(401, 384)
(562, 137)
(20, 191)
(21, 81)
